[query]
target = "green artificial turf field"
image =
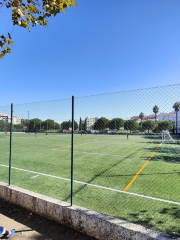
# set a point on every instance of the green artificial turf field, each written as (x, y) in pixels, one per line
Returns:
(136, 179)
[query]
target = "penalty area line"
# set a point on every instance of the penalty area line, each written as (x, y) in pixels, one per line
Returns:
(97, 186)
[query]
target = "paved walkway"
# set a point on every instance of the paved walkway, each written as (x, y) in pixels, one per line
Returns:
(32, 226)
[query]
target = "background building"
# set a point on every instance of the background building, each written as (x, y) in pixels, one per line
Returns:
(7, 118)
(160, 117)
(167, 116)
(90, 121)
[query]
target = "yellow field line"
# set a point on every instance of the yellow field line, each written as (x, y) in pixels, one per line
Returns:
(134, 178)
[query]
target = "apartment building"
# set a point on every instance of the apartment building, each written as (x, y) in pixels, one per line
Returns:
(16, 120)
(90, 121)
(7, 118)
(167, 116)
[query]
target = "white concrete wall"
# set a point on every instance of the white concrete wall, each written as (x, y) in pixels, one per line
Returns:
(81, 219)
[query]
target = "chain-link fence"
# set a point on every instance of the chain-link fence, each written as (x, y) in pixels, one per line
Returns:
(114, 159)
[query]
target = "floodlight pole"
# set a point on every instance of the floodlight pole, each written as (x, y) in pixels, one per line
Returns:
(72, 150)
(10, 150)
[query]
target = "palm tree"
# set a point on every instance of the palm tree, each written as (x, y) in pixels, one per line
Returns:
(141, 116)
(155, 110)
(176, 107)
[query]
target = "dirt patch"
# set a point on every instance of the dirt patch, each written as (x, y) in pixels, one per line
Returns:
(29, 225)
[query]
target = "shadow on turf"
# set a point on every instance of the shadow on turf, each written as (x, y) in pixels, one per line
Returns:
(168, 154)
(158, 139)
(143, 218)
(146, 174)
(96, 176)
(166, 158)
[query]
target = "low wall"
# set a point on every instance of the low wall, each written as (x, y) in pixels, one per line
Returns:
(81, 219)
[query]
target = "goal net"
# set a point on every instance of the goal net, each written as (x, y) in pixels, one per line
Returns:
(166, 137)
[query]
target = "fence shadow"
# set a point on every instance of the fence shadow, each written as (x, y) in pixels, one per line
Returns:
(142, 217)
(101, 174)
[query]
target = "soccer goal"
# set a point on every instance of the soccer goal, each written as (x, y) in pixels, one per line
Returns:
(166, 137)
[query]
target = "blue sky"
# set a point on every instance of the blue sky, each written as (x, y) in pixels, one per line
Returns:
(95, 48)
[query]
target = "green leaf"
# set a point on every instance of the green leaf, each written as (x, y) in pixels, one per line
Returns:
(1, 44)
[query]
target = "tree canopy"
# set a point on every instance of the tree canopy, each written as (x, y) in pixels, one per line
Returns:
(141, 115)
(27, 13)
(148, 125)
(131, 125)
(4, 126)
(37, 124)
(116, 123)
(34, 125)
(101, 123)
(176, 106)
(155, 110)
(68, 124)
(164, 125)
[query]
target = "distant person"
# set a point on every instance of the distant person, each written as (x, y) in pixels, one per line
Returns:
(81, 133)
(36, 134)
(6, 133)
(127, 136)
(46, 135)
(6, 233)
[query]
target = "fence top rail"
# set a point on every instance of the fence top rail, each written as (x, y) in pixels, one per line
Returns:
(103, 94)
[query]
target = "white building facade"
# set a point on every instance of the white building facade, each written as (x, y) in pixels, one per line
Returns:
(90, 121)
(7, 118)
(167, 116)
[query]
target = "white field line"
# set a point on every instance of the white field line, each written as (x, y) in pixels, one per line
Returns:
(43, 174)
(102, 154)
(95, 141)
(35, 176)
(97, 186)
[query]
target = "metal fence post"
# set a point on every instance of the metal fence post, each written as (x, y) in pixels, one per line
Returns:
(72, 150)
(10, 150)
